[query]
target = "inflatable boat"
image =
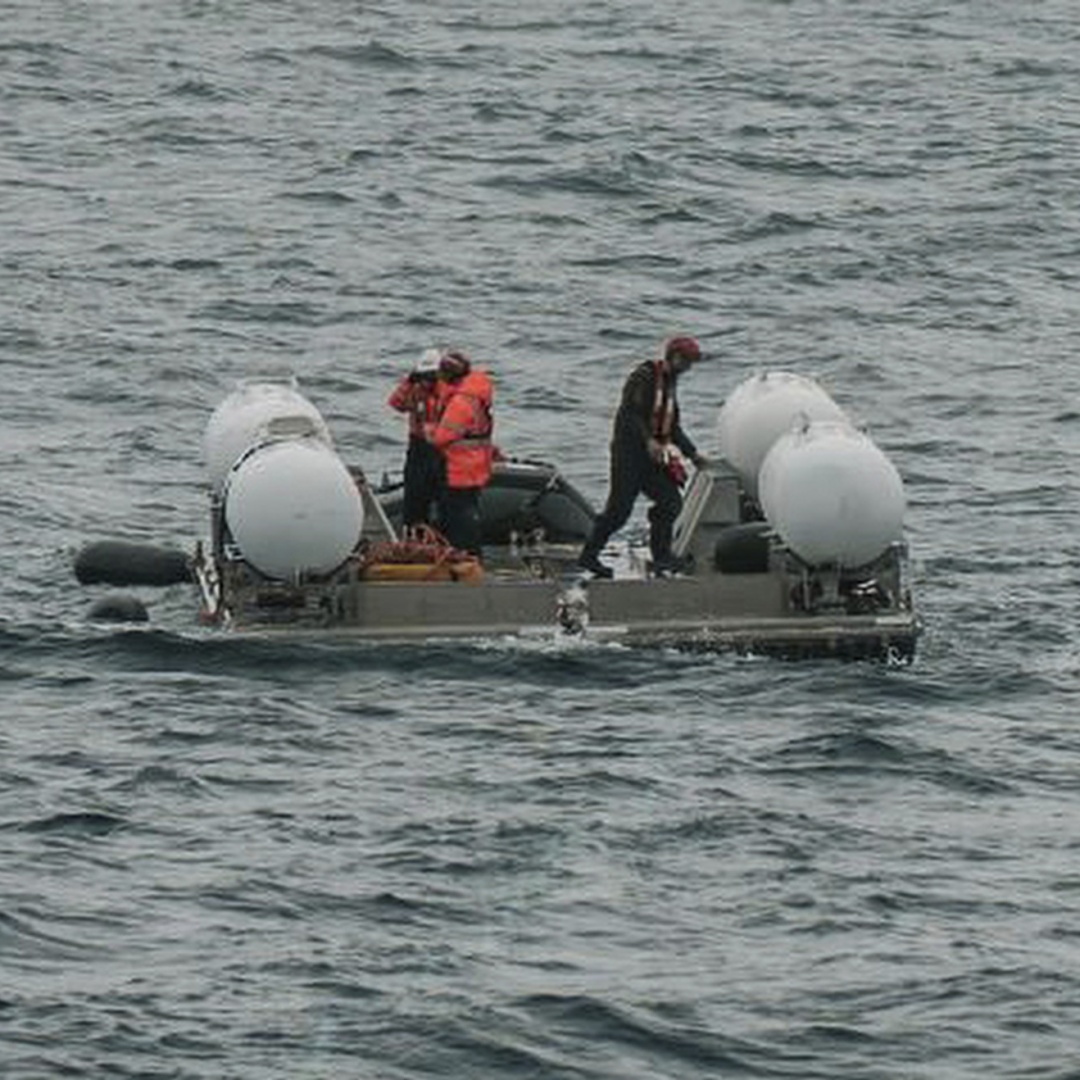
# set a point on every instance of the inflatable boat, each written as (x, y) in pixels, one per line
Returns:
(791, 540)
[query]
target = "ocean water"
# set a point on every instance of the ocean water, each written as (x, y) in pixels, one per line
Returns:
(245, 857)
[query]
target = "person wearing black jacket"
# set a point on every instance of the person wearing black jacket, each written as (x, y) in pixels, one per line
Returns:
(642, 460)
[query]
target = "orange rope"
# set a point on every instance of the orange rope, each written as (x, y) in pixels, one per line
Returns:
(422, 545)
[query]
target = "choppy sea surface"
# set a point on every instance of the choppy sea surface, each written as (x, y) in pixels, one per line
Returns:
(245, 857)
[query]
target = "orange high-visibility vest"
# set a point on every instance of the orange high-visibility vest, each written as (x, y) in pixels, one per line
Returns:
(463, 431)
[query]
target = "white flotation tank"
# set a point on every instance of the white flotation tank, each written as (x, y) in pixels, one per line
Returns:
(292, 507)
(760, 410)
(252, 413)
(831, 494)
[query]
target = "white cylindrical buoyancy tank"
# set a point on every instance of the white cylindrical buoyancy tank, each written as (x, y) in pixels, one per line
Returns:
(760, 410)
(832, 495)
(252, 413)
(292, 507)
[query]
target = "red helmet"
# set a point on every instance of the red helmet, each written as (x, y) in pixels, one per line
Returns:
(686, 347)
(454, 364)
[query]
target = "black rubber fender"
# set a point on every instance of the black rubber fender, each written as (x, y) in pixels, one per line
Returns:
(743, 549)
(119, 607)
(118, 562)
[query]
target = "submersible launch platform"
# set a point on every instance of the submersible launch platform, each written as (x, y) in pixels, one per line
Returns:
(792, 536)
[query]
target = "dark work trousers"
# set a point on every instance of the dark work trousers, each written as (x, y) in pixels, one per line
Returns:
(423, 478)
(459, 515)
(633, 473)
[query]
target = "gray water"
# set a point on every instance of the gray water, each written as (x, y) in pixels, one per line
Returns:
(238, 857)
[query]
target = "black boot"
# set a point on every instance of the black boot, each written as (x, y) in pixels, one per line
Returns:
(670, 564)
(589, 560)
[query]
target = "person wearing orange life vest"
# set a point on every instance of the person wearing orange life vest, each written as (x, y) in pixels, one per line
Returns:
(418, 395)
(645, 431)
(463, 435)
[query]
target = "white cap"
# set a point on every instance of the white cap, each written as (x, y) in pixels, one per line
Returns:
(428, 364)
